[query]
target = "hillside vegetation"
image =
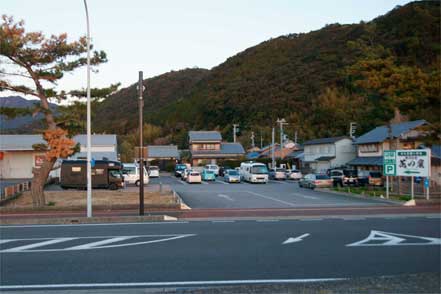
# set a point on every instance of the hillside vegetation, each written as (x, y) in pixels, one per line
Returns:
(318, 81)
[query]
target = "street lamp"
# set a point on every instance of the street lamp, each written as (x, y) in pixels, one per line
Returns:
(89, 139)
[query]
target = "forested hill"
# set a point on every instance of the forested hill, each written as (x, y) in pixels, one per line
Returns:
(318, 81)
(119, 112)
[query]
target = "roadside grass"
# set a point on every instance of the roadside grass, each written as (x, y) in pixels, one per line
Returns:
(372, 192)
(108, 199)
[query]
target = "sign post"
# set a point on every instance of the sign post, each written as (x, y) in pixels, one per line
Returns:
(409, 163)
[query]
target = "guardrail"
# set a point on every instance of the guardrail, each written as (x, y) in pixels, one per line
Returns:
(12, 190)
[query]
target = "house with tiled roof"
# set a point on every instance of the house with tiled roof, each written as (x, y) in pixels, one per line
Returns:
(207, 147)
(325, 153)
(370, 146)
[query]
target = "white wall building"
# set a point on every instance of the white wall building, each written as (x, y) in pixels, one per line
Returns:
(322, 154)
(17, 157)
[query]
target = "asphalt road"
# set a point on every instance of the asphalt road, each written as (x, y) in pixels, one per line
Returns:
(274, 194)
(216, 252)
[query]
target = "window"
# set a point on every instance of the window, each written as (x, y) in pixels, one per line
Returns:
(76, 169)
(97, 171)
(129, 170)
(368, 148)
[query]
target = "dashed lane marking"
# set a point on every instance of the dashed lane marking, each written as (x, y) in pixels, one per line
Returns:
(225, 183)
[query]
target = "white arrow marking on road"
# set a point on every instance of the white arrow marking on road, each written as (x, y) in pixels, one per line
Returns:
(294, 240)
(393, 239)
(225, 196)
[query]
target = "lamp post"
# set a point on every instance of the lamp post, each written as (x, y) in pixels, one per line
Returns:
(89, 140)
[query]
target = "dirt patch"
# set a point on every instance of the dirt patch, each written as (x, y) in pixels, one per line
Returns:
(100, 198)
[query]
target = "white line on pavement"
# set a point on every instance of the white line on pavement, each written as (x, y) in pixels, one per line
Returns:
(217, 181)
(225, 196)
(271, 198)
(305, 196)
(204, 183)
(39, 244)
(168, 284)
(311, 219)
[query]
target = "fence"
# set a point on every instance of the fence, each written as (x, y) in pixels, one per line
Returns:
(403, 186)
(11, 190)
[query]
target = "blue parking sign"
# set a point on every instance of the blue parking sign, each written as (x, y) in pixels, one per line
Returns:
(426, 183)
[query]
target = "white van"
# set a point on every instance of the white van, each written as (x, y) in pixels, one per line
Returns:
(254, 172)
(131, 174)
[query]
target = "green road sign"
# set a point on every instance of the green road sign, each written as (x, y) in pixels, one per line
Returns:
(389, 163)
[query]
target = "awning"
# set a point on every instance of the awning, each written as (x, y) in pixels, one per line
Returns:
(373, 161)
(325, 158)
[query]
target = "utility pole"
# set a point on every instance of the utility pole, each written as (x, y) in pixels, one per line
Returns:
(273, 160)
(295, 138)
(141, 155)
(89, 132)
(252, 139)
(234, 132)
(281, 122)
(390, 136)
(261, 140)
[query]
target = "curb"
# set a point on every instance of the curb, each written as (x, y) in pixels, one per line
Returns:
(85, 220)
(358, 196)
(183, 206)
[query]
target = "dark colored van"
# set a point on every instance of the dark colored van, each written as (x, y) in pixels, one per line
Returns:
(105, 174)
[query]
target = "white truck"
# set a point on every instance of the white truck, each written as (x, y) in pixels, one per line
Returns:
(254, 172)
(131, 174)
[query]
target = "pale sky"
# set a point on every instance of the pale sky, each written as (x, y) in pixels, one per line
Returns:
(164, 35)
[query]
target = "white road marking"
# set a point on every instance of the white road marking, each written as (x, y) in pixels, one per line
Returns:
(305, 196)
(271, 198)
(311, 219)
(296, 239)
(393, 239)
(222, 182)
(35, 245)
(94, 245)
(168, 284)
(225, 197)
(353, 218)
(273, 181)
(103, 224)
(97, 244)
(5, 241)
(204, 183)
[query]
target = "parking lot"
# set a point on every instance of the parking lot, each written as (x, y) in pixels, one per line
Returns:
(274, 194)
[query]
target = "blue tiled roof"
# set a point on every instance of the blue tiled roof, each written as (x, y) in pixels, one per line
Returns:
(436, 151)
(232, 148)
(163, 151)
(380, 134)
(20, 142)
(253, 155)
(204, 136)
(325, 140)
(374, 160)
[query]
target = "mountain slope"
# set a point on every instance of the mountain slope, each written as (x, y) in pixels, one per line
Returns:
(19, 124)
(119, 112)
(285, 76)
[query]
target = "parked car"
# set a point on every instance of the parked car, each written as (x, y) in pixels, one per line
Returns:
(232, 176)
(131, 172)
(185, 174)
(208, 175)
(222, 170)
(313, 181)
(344, 177)
(366, 177)
(179, 169)
(193, 177)
(154, 171)
(277, 173)
(294, 175)
(213, 167)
